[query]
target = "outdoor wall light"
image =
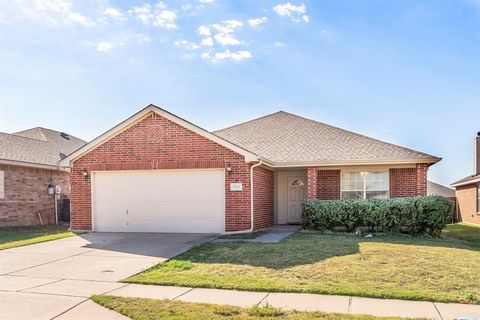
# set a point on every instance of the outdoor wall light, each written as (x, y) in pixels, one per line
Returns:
(85, 172)
(228, 168)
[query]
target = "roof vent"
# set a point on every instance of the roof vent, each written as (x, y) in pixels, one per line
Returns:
(65, 135)
(62, 155)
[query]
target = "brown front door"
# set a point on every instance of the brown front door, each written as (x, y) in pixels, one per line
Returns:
(296, 186)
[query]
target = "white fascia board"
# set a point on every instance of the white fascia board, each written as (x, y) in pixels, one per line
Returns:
(32, 165)
(464, 183)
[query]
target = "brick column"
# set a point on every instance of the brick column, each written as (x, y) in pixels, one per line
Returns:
(422, 170)
(312, 177)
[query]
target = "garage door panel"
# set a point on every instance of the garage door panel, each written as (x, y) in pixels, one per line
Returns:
(160, 201)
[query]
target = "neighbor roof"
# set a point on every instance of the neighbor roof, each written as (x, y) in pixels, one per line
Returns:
(467, 180)
(435, 189)
(283, 138)
(37, 146)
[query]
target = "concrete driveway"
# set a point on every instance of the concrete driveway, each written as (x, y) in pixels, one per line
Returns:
(53, 280)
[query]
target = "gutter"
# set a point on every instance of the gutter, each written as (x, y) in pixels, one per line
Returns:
(250, 230)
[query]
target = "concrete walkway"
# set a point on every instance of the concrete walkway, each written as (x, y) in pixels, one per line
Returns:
(273, 235)
(304, 302)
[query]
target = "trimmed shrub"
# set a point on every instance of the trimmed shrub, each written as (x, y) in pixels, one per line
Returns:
(414, 216)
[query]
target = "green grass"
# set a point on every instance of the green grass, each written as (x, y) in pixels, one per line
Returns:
(150, 309)
(421, 268)
(11, 237)
(464, 231)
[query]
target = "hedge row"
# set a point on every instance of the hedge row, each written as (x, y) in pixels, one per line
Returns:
(413, 216)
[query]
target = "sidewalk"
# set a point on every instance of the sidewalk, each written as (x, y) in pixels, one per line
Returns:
(304, 302)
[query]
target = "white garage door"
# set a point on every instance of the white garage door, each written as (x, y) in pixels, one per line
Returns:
(184, 201)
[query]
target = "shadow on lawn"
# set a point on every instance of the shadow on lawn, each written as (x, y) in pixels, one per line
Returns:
(304, 248)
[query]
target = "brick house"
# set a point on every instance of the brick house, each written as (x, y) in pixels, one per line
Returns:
(467, 190)
(156, 172)
(28, 165)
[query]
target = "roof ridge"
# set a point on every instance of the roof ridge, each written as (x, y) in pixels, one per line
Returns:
(43, 137)
(22, 137)
(248, 121)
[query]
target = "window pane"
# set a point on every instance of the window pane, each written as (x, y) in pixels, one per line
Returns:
(478, 198)
(377, 181)
(377, 194)
(352, 195)
(352, 181)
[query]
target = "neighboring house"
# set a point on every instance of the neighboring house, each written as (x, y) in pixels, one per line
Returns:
(435, 189)
(156, 172)
(28, 165)
(467, 190)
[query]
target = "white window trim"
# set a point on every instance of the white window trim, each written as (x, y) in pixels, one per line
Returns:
(364, 181)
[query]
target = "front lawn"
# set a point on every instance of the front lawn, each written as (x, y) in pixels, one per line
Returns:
(143, 309)
(464, 231)
(11, 237)
(384, 267)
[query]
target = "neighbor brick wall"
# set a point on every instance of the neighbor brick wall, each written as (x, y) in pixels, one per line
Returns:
(262, 198)
(26, 195)
(408, 182)
(157, 143)
(328, 184)
(467, 203)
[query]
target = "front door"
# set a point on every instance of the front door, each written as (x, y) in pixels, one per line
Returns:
(295, 196)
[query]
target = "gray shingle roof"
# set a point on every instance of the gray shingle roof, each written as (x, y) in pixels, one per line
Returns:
(435, 189)
(283, 137)
(465, 180)
(37, 146)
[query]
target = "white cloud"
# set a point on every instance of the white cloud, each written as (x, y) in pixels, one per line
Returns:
(141, 38)
(203, 30)
(51, 12)
(104, 46)
(226, 39)
(114, 13)
(156, 15)
(227, 55)
(296, 13)
(187, 44)
(207, 42)
(256, 22)
(207, 1)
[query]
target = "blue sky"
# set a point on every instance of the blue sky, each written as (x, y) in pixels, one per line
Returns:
(405, 71)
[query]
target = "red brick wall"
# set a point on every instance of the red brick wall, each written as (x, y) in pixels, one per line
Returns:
(422, 172)
(157, 143)
(262, 198)
(26, 195)
(328, 184)
(467, 203)
(312, 178)
(403, 182)
(408, 182)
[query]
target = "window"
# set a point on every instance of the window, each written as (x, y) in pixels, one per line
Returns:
(297, 183)
(364, 185)
(478, 199)
(2, 185)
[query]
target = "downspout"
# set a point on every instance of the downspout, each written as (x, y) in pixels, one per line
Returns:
(251, 203)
